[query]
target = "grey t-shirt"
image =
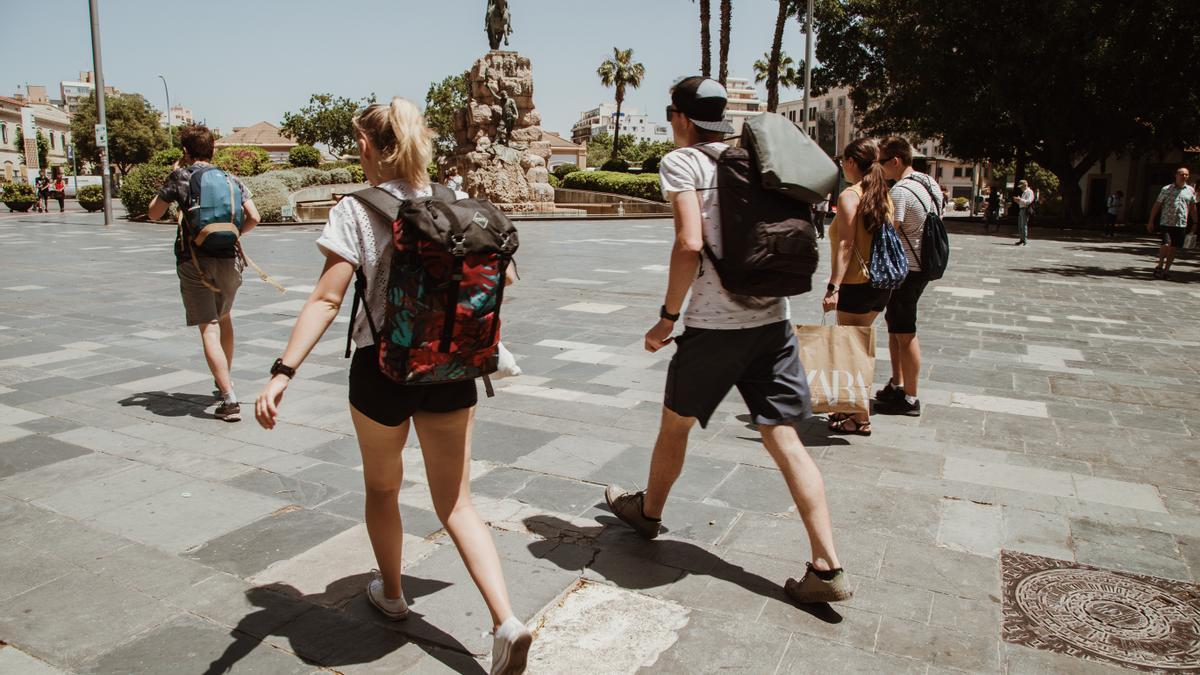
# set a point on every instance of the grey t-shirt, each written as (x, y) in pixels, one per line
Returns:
(177, 189)
(912, 203)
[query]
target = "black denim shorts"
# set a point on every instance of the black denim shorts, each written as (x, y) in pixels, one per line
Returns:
(390, 403)
(762, 362)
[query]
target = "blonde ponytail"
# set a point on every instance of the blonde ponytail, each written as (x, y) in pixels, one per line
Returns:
(405, 143)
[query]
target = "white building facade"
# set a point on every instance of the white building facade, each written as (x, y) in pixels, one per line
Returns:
(603, 120)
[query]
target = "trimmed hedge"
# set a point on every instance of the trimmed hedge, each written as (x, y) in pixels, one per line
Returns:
(304, 155)
(554, 181)
(91, 197)
(270, 195)
(340, 175)
(563, 169)
(141, 185)
(242, 160)
(615, 165)
(643, 186)
(650, 164)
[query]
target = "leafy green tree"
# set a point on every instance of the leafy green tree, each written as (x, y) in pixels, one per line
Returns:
(600, 149)
(304, 155)
(326, 119)
(1064, 83)
(43, 147)
(620, 71)
(442, 103)
(134, 133)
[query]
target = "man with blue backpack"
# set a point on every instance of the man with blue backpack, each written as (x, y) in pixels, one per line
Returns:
(918, 204)
(215, 210)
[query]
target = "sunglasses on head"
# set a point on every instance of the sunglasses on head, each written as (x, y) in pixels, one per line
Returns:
(670, 111)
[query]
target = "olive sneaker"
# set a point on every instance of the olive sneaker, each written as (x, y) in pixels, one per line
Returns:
(819, 586)
(628, 507)
(228, 411)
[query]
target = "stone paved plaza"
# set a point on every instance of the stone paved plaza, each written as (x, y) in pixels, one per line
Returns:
(140, 535)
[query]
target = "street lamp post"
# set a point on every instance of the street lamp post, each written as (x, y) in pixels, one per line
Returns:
(808, 59)
(170, 138)
(101, 117)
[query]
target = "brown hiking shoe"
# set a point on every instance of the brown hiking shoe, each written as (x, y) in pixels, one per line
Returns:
(812, 588)
(628, 507)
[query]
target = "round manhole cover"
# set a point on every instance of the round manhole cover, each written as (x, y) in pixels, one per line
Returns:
(1137, 621)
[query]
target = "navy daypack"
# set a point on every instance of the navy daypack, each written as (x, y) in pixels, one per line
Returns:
(889, 264)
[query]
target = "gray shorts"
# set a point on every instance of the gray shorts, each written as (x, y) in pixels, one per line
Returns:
(763, 363)
(200, 304)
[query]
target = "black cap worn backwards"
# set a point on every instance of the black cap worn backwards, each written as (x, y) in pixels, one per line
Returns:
(702, 101)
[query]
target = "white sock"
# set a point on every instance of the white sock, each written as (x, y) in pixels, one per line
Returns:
(911, 400)
(228, 397)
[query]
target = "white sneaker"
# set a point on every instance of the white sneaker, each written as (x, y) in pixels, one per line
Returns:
(396, 610)
(510, 647)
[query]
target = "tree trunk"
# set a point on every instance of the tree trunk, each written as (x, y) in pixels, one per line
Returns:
(773, 64)
(705, 40)
(1019, 167)
(726, 18)
(1072, 196)
(616, 149)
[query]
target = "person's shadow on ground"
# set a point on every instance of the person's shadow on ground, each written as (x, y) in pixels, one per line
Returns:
(615, 558)
(330, 637)
(166, 404)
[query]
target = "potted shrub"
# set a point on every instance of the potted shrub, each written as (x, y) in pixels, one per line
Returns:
(91, 197)
(18, 196)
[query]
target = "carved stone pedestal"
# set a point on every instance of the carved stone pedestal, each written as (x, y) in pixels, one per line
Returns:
(500, 153)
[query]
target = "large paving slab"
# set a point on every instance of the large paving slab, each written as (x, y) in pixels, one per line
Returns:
(138, 533)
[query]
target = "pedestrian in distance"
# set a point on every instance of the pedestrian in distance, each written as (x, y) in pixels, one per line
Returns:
(1023, 200)
(863, 208)
(821, 213)
(913, 198)
(208, 258)
(59, 188)
(395, 145)
(1113, 206)
(728, 341)
(1174, 209)
(453, 180)
(993, 209)
(42, 185)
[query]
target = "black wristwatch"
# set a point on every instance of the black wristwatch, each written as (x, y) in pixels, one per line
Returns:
(664, 314)
(831, 288)
(278, 367)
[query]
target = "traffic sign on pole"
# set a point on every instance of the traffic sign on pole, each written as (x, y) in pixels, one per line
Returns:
(101, 134)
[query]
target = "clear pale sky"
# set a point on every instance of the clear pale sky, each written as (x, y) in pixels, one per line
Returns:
(237, 63)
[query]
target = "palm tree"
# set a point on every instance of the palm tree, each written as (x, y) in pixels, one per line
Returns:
(726, 17)
(705, 40)
(787, 75)
(620, 71)
(773, 59)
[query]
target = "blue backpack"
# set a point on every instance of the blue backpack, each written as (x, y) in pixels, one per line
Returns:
(889, 264)
(213, 217)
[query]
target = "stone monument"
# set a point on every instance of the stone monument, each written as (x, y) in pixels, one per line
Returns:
(500, 152)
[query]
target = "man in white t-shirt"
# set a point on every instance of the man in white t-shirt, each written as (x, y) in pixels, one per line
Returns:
(1024, 201)
(914, 196)
(728, 340)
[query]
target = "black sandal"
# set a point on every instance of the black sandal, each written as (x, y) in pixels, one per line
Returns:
(860, 428)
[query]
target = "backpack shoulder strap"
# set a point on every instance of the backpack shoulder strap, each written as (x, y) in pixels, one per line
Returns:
(443, 193)
(711, 152)
(194, 181)
(380, 200)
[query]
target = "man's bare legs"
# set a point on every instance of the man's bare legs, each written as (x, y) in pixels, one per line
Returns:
(666, 463)
(217, 339)
(905, 353)
(783, 443)
(807, 486)
(1166, 253)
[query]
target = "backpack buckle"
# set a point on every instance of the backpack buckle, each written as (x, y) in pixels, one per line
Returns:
(458, 245)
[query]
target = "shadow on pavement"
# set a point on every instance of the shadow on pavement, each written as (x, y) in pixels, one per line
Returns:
(1139, 273)
(329, 637)
(683, 556)
(165, 404)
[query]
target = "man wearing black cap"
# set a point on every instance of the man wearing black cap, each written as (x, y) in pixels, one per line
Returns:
(728, 340)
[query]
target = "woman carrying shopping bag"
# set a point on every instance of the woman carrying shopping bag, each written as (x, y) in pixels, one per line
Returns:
(863, 209)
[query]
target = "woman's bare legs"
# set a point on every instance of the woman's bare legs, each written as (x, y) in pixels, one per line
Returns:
(446, 445)
(383, 470)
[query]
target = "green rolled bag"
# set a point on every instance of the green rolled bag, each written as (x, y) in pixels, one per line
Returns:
(788, 160)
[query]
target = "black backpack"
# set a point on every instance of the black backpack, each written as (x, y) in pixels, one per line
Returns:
(935, 243)
(768, 238)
